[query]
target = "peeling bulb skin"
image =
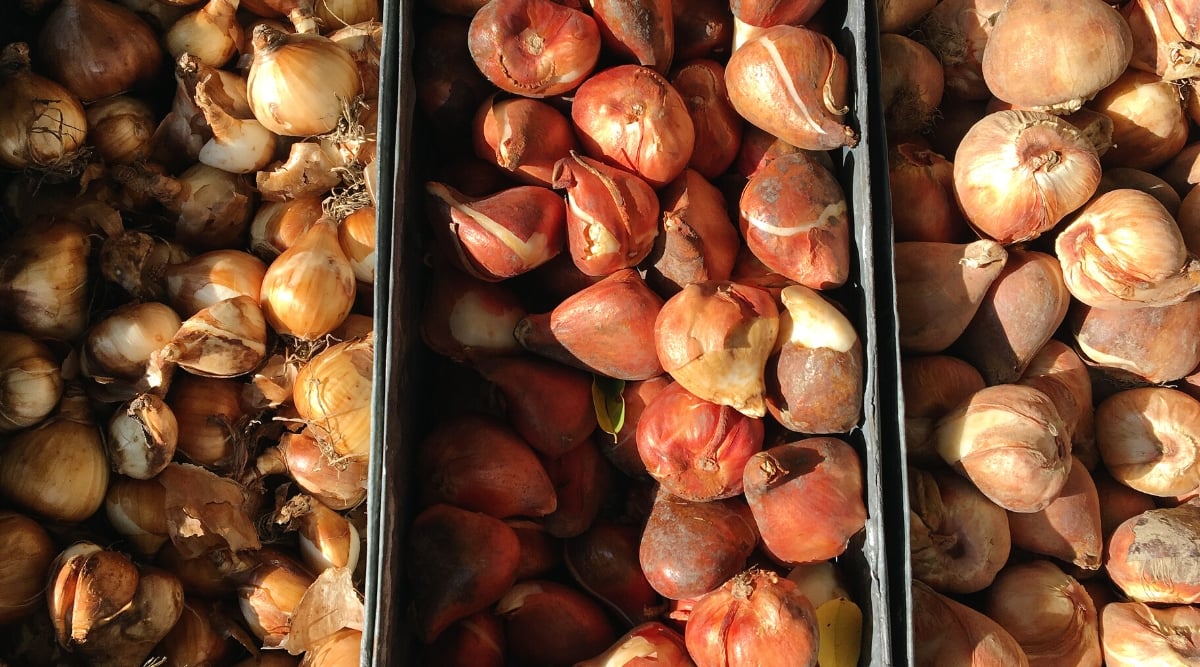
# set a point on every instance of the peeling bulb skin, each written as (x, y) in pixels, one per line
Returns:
(792, 82)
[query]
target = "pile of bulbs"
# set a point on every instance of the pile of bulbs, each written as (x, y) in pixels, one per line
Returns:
(186, 361)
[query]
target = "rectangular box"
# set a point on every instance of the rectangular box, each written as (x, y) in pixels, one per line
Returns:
(401, 358)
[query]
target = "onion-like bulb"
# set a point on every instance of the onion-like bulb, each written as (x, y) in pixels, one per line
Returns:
(121, 129)
(239, 146)
(277, 224)
(309, 289)
(210, 420)
(339, 482)
(211, 33)
(300, 84)
(41, 122)
(310, 171)
(299, 12)
(337, 13)
(270, 593)
(214, 276)
(1083, 46)
(1018, 173)
(137, 510)
(28, 551)
(97, 48)
(119, 347)
(327, 539)
(44, 280)
(356, 234)
(332, 393)
(142, 437)
(1124, 250)
(57, 470)
(106, 608)
(364, 41)
(31, 381)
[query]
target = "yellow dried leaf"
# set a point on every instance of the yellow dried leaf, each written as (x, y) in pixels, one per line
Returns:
(840, 622)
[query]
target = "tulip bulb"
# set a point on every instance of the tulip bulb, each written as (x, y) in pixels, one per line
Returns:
(715, 338)
(1018, 173)
(1010, 441)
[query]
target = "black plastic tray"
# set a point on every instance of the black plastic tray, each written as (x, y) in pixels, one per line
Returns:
(401, 360)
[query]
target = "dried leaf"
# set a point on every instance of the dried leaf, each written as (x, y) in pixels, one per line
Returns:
(205, 512)
(609, 403)
(330, 604)
(840, 622)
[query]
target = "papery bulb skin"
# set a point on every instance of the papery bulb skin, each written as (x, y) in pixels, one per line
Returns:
(1048, 612)
(697, 242)
(44, 122)
(690, 548)
(97, 48)
(308, 290)
(717, 127)
(458, 563)
(1069, 527)
(612, 215)
(1124, 250)
(1135, 632)
(714, 339)
(1147, 440)
(549, 404)
(959, 539)
(815, 380)
(1151, 556)
(524, 137)
(948, 632)
(300, 85)
(939, 288)
(1010, 441)
(641, 31)
(1083, 47)
(806, 497)
(1022, 309)
(1018, 173)
(44, 281)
